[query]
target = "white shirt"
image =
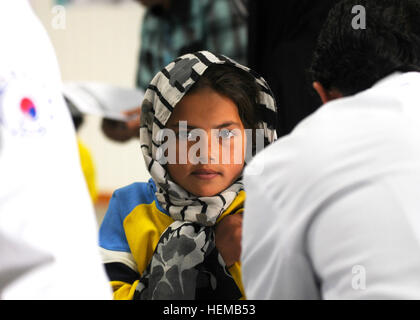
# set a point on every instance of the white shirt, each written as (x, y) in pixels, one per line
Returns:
(48, 230)
(335, 214)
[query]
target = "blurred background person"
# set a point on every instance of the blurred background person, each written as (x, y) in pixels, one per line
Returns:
(172, 28)
(45, 210)
(98, 44)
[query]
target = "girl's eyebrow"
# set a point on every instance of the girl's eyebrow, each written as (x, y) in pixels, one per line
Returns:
(220, 126)
(227, 124)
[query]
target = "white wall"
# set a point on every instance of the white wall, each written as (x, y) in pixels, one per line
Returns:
(99, 43)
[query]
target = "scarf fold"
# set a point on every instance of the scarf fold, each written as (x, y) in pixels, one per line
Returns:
(186, 263)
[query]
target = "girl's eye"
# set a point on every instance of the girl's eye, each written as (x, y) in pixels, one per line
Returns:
(226, 134)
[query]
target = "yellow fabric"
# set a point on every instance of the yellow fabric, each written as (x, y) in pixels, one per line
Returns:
(88, 169)
(122, 290)
(236, 273)
(143, 228)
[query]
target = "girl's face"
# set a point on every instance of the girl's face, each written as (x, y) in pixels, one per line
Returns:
(218, 117)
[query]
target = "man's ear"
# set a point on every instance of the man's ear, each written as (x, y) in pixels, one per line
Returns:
(324, 94)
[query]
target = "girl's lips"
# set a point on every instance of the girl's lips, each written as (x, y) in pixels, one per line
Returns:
(205, 174)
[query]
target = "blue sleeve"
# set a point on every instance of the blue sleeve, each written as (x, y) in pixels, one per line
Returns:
(123, 201)
(111, 233)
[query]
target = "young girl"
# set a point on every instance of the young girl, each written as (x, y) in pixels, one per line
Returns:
(158, 238)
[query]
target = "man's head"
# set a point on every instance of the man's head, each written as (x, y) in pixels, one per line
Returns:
(348, 60)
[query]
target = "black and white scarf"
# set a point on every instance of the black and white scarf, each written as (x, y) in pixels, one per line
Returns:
(186, 263)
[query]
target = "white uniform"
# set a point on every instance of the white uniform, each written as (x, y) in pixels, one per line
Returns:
(336, 212)
(48, 231)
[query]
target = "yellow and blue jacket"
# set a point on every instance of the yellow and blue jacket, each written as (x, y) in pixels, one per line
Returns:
(131, 230)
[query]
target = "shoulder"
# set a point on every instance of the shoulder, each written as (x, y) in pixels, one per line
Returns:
(125, 199)
(130, 196)
(122, 203)
(345, 142)
(304, 157)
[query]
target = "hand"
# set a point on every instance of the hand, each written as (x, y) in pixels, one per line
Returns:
(118, 130)
(123, 131)
(134, 118)
(228, 238)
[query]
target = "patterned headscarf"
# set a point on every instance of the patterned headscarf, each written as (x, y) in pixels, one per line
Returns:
(186, 264)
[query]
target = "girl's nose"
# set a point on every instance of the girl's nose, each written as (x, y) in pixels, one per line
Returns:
(213, 150)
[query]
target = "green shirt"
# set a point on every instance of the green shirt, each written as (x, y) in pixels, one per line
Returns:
(219, 26)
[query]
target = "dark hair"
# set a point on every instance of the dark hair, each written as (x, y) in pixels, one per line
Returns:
(352, 60)
(236, 84)
(76, 115)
